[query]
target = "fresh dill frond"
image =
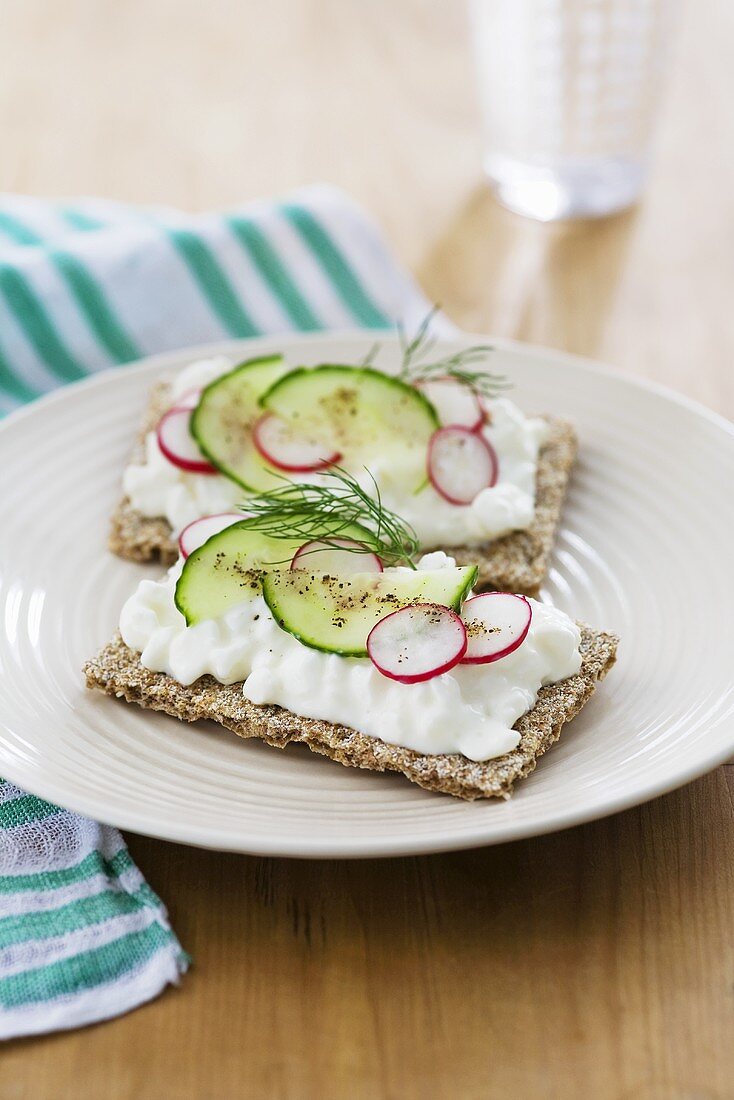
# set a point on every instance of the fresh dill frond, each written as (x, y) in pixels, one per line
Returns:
(325, 511)
(421, 343)
(418, 366)
(370, 356)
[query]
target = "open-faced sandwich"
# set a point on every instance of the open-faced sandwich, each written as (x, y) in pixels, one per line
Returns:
(312, 618)
(448, 452)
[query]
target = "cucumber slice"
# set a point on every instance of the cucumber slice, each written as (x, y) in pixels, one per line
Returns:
(359, 412)
(222, 422)
(228, 568)
(335, 614)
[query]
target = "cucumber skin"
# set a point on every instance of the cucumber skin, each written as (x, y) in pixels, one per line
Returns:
(470, 582)
(180, 599)
(354, 373)
(195, 426)
(455, 605)
(397, 383)
(371, 372)
(403, 387)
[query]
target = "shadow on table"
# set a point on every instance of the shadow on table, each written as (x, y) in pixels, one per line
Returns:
(553, 284)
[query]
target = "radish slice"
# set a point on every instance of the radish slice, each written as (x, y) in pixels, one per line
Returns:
(496, 624)
(456, 403)
(417, 642)
(486, 411)
(323, 557)
(189, 399)
(277, 443)
(178, 445)
(198, 532)
(460, 464)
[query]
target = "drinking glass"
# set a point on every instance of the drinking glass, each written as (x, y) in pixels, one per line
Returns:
(568, 91)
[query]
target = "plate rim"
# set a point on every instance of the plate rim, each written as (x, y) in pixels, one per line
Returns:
(168, 359)
(210, 837)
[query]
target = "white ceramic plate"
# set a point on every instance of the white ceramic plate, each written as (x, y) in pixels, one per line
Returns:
(645, 550)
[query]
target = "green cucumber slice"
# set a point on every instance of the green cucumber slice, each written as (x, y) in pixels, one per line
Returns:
(222, 422)
(335, 614)
(228, 568)
(361, 413)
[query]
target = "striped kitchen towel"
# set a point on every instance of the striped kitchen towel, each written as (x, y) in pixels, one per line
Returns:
(88, 285)
(82, 936)
(93, 284)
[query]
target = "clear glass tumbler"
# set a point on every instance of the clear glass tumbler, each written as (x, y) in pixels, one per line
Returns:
(568, 92)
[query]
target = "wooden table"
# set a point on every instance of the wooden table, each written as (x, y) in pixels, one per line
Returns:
(597, 962)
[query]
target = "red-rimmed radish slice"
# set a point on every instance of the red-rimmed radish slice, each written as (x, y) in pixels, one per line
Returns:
(460, 464)
(189, 399)
(496, 624)
(484, 406)
(201, 530)
(455, 402)
(338, 557)
(280, 446)
(178, 445)
(417, 642)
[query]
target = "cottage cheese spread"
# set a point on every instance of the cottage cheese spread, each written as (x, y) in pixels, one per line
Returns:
(158, 488)
(469, 710)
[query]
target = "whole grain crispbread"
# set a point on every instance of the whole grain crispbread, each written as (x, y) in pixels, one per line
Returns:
(133, 535)
(517, 562)
(118, 671)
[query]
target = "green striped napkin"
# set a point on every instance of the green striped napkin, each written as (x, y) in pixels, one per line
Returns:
(85, 286)
(93, 284)
(82, 936)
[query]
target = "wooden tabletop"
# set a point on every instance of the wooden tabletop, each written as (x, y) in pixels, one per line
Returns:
(596, 962)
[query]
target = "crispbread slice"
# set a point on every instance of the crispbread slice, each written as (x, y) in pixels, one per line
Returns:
(517, 563)
(133, 535)
(118, 671)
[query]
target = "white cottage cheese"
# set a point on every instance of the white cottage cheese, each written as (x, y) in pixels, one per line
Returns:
(470, 710)
(158, 488)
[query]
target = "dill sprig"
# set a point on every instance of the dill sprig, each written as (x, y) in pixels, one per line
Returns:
(324, 511)
(417, 365)
(371, 355)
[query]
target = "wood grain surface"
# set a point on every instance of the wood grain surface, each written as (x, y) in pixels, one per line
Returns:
(597, 962)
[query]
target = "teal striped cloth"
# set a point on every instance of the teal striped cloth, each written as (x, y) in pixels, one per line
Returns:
(82, 936)
(85, 286)
(93, 284)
